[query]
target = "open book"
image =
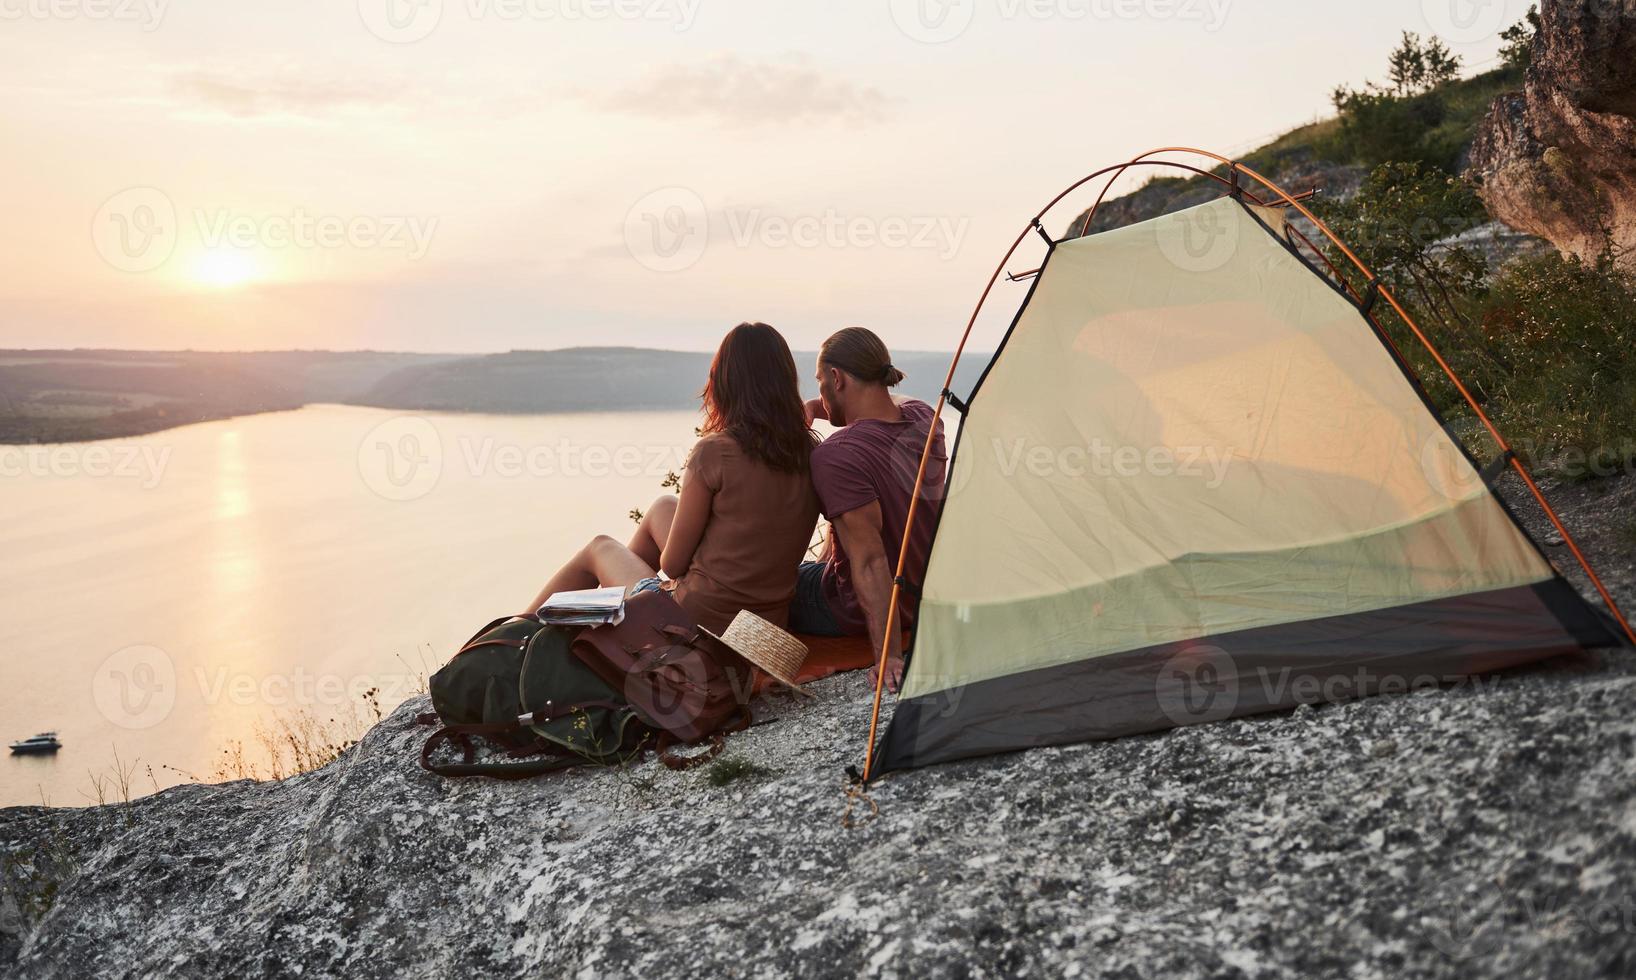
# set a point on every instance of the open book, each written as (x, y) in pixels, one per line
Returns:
(585, 607)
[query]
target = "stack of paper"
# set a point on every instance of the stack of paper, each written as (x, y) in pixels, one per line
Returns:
(585, 607)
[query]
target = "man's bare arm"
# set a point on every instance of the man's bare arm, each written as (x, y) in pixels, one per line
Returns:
(860, 531)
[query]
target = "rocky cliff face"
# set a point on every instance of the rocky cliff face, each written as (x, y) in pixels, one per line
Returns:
(1487, 829)
(1558, 159)
(1482, 831)
(1172, 190)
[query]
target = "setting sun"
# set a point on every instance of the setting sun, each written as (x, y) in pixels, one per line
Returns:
(223, 268)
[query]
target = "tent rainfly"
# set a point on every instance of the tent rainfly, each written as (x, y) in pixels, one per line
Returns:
(1198, 481)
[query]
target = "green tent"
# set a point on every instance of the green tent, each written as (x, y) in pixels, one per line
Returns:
(1196, 481)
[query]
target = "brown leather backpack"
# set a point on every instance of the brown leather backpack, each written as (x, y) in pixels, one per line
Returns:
(684, 682)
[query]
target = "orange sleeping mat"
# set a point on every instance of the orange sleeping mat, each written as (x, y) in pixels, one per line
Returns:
(828, 655)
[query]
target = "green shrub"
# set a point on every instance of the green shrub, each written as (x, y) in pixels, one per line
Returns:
(1518, 50)
(1563, 337)
(1398, 224)
(1547, 347)
(730, 769)
(1425, 114)
(1377, 126)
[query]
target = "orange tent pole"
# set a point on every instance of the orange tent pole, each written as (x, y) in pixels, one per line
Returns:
(931, 434)
(1420, 335)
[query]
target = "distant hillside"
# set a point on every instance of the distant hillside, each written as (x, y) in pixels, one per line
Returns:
(80, 395)
(1302, 159)
(77, 395)
(603, 379)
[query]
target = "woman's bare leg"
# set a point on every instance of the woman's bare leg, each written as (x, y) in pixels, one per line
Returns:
(602, 562)
(649, 540)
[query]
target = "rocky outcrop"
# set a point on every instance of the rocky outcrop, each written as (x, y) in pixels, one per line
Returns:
(1558, 159)
(1487, 829)
(1297, 171)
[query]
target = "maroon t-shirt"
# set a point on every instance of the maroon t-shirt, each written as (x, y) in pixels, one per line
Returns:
(871, 460)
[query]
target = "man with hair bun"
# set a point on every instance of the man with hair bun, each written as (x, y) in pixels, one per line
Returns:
(864, 474)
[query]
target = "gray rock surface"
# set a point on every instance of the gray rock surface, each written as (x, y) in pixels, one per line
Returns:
(1484, 829)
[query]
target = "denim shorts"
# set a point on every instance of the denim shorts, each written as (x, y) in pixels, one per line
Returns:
(809, 610)
(650, 584)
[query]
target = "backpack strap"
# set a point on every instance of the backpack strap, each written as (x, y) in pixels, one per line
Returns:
(667, 752)
(547, 758)
(514, 644)
(718, 741)
(498, 622)
(461, 735)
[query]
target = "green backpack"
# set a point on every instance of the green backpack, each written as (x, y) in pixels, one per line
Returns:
(517, 683)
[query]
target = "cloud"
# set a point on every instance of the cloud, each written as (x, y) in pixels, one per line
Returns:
(276, 96)
(746, 93)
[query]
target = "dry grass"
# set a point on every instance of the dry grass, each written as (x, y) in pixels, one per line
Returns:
(297, 742)
(114, 784)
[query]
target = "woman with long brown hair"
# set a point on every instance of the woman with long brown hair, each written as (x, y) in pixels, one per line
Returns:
(735, 535)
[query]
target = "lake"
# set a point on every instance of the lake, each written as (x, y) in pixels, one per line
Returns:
(167, 595)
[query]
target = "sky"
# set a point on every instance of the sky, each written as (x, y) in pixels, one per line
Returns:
(486, 175)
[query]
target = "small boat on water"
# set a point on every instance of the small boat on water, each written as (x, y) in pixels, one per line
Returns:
(41, 743)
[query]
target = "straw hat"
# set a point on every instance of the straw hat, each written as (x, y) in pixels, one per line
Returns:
(766, 646)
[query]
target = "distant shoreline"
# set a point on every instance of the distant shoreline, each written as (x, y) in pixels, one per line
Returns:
(45, 433)
(66, 397)
(109, 432)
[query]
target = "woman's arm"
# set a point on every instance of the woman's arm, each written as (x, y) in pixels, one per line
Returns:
(687, 530)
